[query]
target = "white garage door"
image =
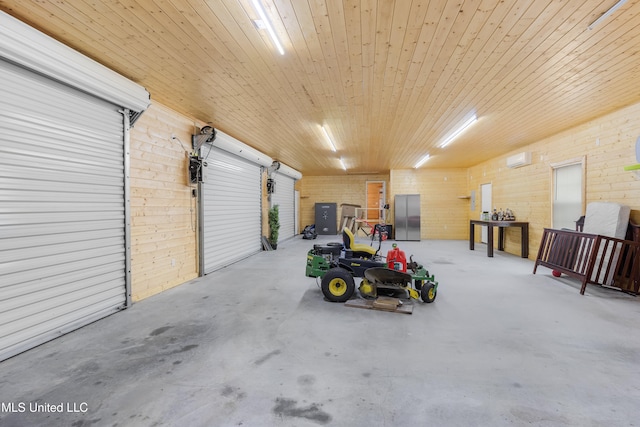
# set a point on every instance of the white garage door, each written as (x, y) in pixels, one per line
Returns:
(231, 204)
(63, 187)
(284, 197)
(62, 238)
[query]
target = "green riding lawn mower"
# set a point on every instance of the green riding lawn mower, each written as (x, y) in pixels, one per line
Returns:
(338, 264)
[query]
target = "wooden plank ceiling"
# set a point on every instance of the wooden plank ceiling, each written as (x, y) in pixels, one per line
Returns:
(389, 79)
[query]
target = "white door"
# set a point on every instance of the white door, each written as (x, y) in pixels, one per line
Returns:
(284, 197)
(485, 194)
(231, 205)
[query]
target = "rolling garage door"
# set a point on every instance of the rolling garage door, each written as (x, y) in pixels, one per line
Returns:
(284, 197)
(63, 232)
(231, 203)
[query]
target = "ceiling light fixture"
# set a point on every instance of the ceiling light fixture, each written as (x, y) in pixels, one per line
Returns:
(326, 135)
(607, 13)
(259, 24)
(342, 164)
(471, 120)
(263, 16)
(422, 161)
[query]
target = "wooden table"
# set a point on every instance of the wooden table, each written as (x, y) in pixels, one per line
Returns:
(524, 229)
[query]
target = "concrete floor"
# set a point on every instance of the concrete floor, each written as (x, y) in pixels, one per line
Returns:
(255, 344)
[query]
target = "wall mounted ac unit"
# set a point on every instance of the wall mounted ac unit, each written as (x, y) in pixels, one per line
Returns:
(519, 160)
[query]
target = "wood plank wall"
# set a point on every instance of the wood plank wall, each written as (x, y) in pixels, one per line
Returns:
(163, 211)
(339, 189)
(444, 214)
(607, 143)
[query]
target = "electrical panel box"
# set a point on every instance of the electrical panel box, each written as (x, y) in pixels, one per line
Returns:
(195, 169)
(271, 186)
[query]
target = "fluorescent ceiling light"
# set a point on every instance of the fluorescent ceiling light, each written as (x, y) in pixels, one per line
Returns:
(263, 15)
(342, 164)
(461, 129)
(607, 13)
(422, 161)
(326, 135)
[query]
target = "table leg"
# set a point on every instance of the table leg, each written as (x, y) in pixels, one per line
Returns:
(490, 240)
(471, 235)
(501, 238)
(524, 249)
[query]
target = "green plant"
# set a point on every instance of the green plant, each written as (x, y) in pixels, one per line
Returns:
(274, 225)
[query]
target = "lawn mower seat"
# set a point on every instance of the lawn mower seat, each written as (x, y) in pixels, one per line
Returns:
(358, 249)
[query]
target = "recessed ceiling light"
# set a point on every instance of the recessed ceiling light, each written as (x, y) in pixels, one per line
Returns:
(342, 164)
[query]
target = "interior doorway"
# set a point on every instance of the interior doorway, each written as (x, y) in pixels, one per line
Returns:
(376, 199)
(568, 193)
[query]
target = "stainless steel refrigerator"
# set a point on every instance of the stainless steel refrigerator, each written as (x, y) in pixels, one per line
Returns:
(407, 216)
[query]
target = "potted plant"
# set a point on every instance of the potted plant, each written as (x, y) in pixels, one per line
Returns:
(274, 226)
